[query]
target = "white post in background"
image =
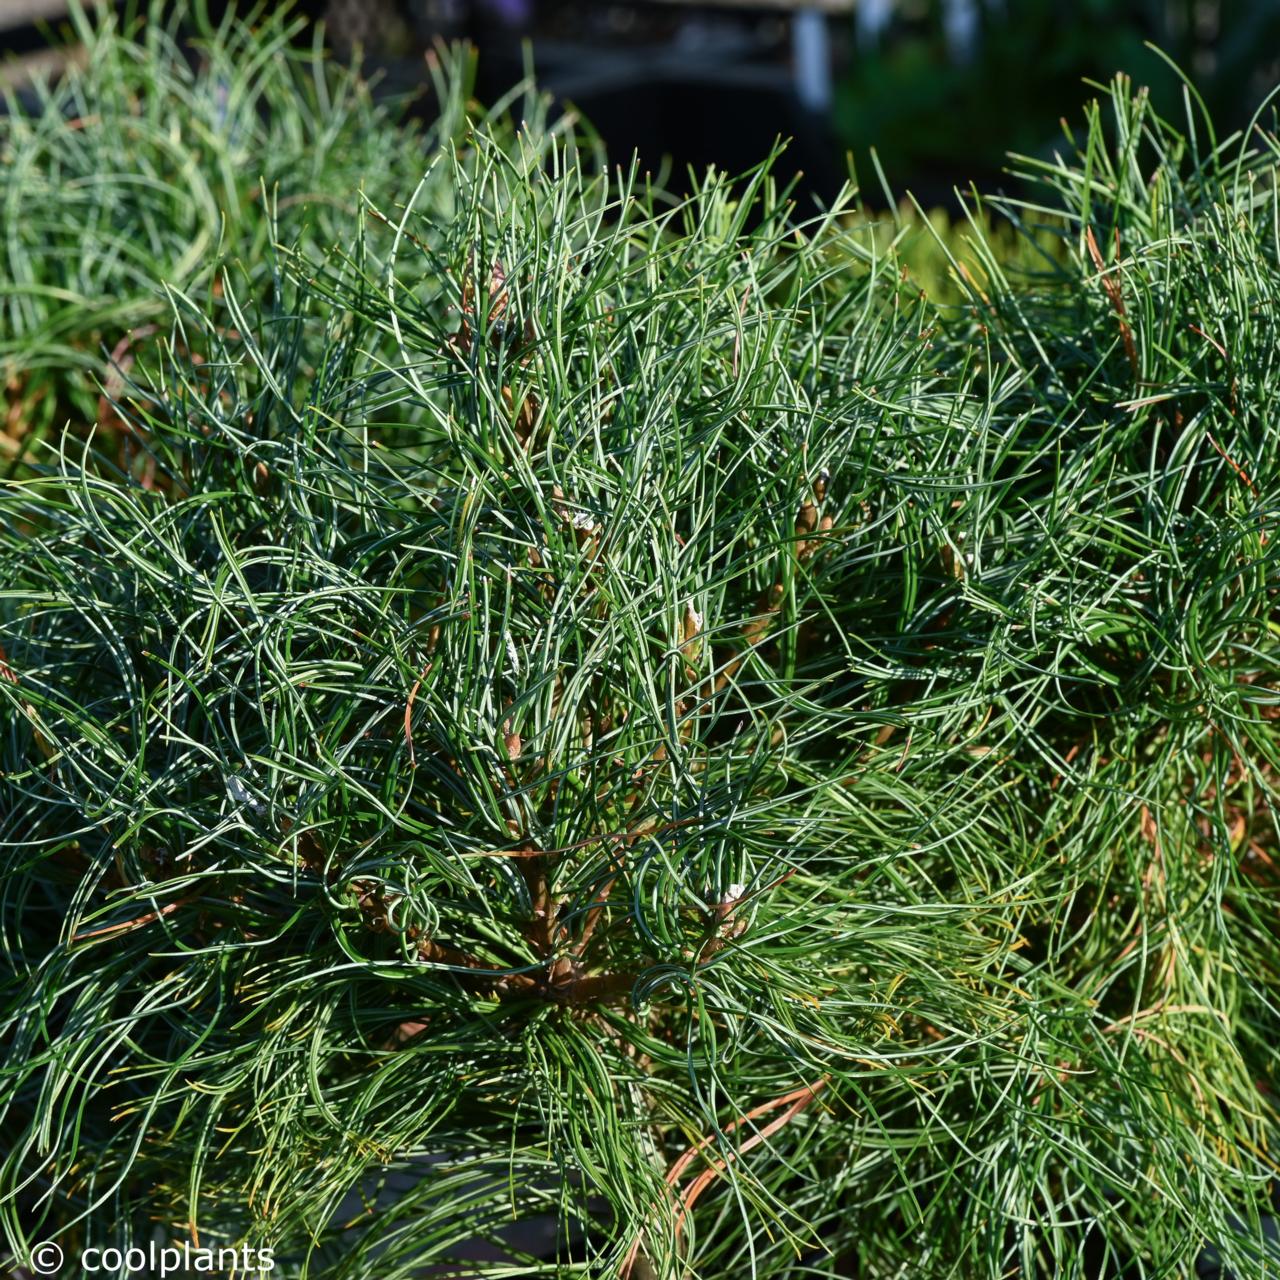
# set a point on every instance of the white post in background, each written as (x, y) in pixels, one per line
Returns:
(872, 16)
(961, 22)
(811, 58)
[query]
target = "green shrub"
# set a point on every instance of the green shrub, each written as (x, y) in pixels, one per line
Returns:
(621, 723)
(171, 149)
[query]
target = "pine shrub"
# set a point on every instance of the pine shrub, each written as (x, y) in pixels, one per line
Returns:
(613, 735)
(173, 148)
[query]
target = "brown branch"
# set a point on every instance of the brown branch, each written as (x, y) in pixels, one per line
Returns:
(1114, 294)
(138, 921)
(408, 714)
(798, 1099)
(596, 912)
(563, 982)
(723, 914)
(1231, 462)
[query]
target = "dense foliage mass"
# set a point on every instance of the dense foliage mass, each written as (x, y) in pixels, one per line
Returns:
(592, 734)
(164, 150)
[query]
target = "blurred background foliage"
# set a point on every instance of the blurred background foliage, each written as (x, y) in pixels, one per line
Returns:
(942, 89)
(943, 99)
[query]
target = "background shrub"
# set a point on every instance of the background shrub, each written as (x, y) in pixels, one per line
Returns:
(174, 148)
